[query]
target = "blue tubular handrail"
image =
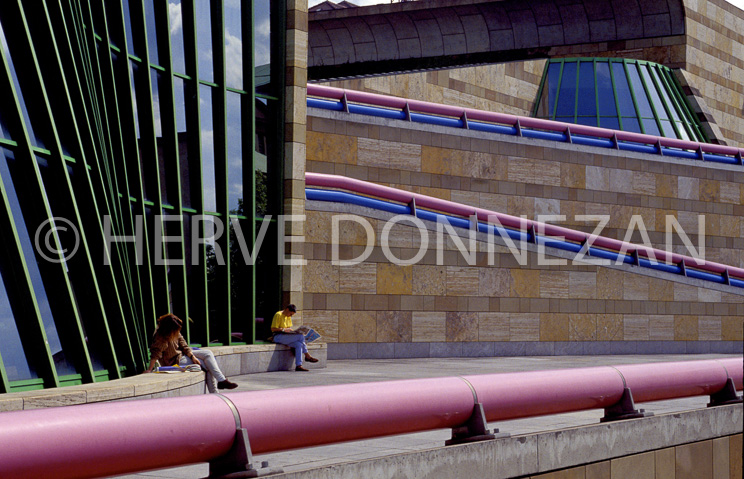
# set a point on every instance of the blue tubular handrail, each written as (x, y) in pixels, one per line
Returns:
(567, 136)
(516, 235)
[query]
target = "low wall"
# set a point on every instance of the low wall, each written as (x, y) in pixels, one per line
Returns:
(698, 444)
(233, 360)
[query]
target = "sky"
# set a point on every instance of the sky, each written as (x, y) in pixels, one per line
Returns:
(738, 3)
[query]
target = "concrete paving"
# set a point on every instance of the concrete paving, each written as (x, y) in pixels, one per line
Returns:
(356, 371)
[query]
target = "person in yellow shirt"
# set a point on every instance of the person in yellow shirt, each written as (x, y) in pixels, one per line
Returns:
(281, 326)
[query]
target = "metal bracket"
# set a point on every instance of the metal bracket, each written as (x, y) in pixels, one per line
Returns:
(659, 147)
(615, 143)
(475, 429)
(518, 126)
(407, 112)
(464, 119)
(624, 409)
(531, 234)
(727, 395)
(568, 135)
(238, 462)
(345, 103)
(412, 205)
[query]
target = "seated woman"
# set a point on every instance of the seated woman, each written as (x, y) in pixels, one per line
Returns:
(170, 348)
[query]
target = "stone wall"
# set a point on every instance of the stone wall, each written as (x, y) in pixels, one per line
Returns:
(450, 306)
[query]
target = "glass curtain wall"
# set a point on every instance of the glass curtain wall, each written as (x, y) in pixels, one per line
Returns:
(619, 94)
(136, 192)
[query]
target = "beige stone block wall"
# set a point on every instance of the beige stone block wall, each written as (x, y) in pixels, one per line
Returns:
(714, 62)
(505, 88)
(497, 299)
(713, 459)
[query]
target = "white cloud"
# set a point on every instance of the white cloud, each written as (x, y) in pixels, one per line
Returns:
(174, 12)
(233, 60)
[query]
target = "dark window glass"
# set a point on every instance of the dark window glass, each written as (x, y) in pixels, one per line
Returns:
(262, 45)
(155, 76)
(14, 182)
(606, 94)
(587, 120)
(624, 98)
(262, 158)
(175, 16)
(17, 366)
(650, 127)
(666, 125)
(152, 37)
(204, 40)
(233, 46)
(234, 151)
(183, 141)
(609, 122)
(207, 146)
(644, 107)
(587, 104)
(547, 100)
(567, 95)
(128, 25)
(35, 140)
(631, 124)
(651, 88)
(667, 98)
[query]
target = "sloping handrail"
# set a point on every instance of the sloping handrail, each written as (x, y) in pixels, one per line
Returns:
(104, 439)
(351, 100)
(521, 224)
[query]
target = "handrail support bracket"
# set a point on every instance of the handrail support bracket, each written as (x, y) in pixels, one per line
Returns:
(474, 430)
(727, 395)
(624, 409)
(238, 462)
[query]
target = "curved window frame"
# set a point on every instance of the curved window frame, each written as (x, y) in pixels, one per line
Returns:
(665, 100)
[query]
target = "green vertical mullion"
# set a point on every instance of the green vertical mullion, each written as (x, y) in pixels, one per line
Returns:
(198, 301)
(540, 91)
(576, 89)
(614, 94)
(685, 112)
(60, 297)
(551, 114)
(633, 96)
(105, 274)
(127, 270)
(85, 270)
(248, 149)
(31, 328)
(278, 80)
(131, 157)
(221, 324)
(640, 65)
(179, 287)
(147, 133)
(660, 87)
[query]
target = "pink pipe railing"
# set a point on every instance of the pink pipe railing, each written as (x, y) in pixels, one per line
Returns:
(121, 437)
(523, 224)
(512, 120)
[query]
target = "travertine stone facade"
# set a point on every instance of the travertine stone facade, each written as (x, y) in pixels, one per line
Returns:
(504, 88)
(294, 144)
(718, 458)
(451, 301)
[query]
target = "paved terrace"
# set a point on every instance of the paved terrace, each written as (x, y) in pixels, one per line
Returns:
(356, 371)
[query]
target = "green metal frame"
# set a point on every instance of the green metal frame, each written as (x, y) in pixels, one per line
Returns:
(656, 72)
(103, 151)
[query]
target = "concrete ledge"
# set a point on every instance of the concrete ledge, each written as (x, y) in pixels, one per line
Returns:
(524, 455)
(233, 360)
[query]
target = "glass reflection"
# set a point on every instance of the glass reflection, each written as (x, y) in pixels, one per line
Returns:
(234, 152)
(175, 17)
(17, 366)
(587, 104)
(128, 24)
(207, 146)
(152, 37)
(567, 95)
(262, 45)
(261, 155)
(233, 45)
(204, 39)
(606, 105)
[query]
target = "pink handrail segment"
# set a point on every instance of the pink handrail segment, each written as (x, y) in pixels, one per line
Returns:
(445, 206)
(120, 437)
(502, 118)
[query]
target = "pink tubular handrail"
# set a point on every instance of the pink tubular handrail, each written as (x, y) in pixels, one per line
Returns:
(120, 437)
(523, 224)
(506, 119)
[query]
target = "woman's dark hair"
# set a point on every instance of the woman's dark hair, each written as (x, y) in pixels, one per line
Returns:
(169, 326)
